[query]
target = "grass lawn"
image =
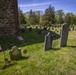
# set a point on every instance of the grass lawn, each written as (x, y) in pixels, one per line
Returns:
(57, 61)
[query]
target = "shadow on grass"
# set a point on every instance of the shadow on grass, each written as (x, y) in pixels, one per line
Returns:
(55, 49)
(30, 37)
(24, 58)
(12, 63)
(71, 46)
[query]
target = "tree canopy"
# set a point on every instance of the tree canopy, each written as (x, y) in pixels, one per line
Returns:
(49, 17)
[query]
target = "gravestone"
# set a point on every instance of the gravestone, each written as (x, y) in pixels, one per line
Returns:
(64, 34)
(22, 30)
(52, 28)
(45, 29)
(20, 38)
(69, 29)
(30, 29)
(44, 32)
(48, 41)
(15, 53)
(25, 26)
(36, 27)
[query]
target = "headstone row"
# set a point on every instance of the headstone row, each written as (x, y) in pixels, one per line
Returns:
(63, 37)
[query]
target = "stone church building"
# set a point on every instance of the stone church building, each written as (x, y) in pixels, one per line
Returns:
(8, 17)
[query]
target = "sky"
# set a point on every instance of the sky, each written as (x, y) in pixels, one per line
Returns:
(65, 5)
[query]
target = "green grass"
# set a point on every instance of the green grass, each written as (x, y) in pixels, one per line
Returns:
(57, 61)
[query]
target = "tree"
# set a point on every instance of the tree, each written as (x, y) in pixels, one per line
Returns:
(21, 17)
(34, 17)
(70, 18)
(59, 14)
(67, 18)
(73, 18)
(49, 16)
(38, 13)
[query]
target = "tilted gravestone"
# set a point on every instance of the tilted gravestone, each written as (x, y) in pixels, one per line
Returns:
(15, 53)
(48, 41)
(64, 34)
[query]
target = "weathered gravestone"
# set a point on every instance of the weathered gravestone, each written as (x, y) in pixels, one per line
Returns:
(30, 29)
(48, 41)
(20, 38)
(15, 53)
(64, 34)
(44, 30)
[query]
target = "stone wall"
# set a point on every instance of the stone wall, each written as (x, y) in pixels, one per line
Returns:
(8, 17)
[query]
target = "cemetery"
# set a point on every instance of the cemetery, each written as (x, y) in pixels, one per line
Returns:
(37, 59)
(35, 49)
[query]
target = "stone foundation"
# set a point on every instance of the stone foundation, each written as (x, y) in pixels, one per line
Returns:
(8, 17)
